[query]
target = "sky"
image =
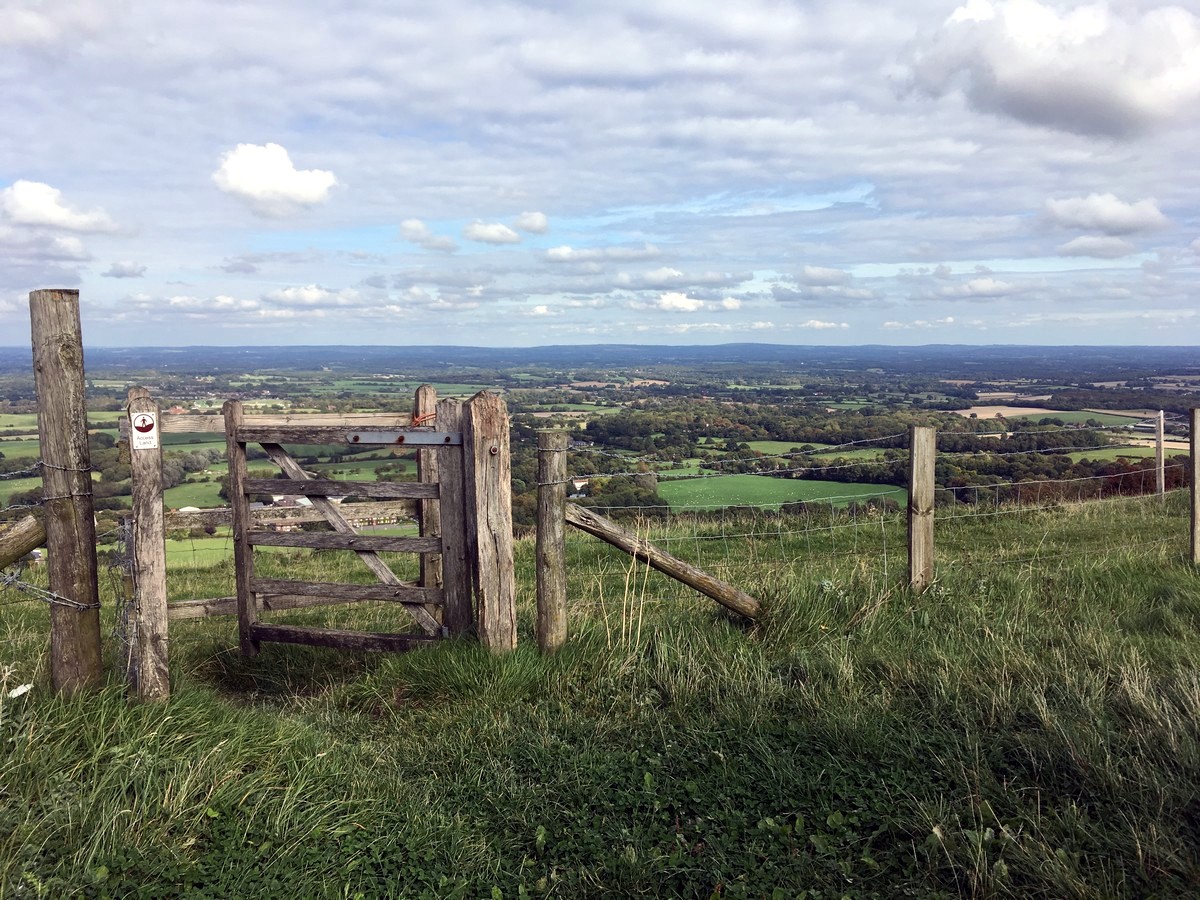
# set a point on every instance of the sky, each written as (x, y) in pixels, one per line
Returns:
(625, 171)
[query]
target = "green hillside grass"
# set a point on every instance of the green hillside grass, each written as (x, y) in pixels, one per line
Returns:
(1024, 728)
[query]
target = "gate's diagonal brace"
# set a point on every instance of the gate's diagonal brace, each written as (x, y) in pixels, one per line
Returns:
(605, 529)
(339, 522)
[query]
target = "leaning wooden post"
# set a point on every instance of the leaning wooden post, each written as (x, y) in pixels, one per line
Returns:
(457, 616)
(489, 519)
(921, 463)
(1160, 456)
(1195, 466)
(21, 539)
(551, 546)
(428, 511)
(75, 660)
(148, 669)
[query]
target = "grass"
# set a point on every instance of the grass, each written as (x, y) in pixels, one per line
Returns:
(1024, 728)
(763, 490)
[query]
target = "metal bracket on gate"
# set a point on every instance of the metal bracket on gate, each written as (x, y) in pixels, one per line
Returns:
(415, 438)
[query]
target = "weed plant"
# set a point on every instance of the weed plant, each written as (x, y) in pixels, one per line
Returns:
(1026, 727)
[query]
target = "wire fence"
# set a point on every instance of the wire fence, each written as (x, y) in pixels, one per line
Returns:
(815, 527)
(859, 537)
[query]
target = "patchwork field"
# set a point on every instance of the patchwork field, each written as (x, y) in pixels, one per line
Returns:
(762, 490)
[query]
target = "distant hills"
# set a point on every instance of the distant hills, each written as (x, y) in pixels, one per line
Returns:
(1082, 362)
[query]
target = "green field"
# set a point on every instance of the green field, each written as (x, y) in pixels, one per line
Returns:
(761, 490)
(1113, 453)
(11, 486)
(14, 448)
(1077, 417)
(778, 448)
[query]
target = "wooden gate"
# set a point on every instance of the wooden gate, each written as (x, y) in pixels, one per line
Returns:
(440, 601)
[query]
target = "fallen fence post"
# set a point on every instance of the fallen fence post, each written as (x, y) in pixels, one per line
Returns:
(20, 539)
(148, 669)
(921, 466)
(75, 660)
(489, 514)
(726, 594)
(551, 551)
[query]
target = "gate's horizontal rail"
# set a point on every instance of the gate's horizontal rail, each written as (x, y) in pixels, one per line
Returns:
(332, 434)
(368, 513)
(339, 640)
(381, 490)
(403, 592)
(332, 540)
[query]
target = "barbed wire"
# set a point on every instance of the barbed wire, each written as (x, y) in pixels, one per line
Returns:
(13, 580)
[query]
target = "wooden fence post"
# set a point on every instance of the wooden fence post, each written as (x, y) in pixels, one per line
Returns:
(1160, 456)
(243, 552)
(551, 547)
(75, 660)
(489, 519)
(921, 495)
(1195, 437)
(148, 668)
(428, 511)
(456, 570)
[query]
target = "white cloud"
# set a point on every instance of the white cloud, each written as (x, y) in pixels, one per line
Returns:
(38, 204)
(1105, 212)
(979, 287)
(676, 301)
(125, 269)
(313, 295)
(1096, 246)
(266, 179)
(493, 233)
(731, 303)
(919, 323)
(818, 325)
(1083, 69)
(417, 232)
(533, 222)
(570, 254)
(816, 276)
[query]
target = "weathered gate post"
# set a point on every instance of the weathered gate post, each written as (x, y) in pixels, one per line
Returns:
(456, 567)
(429, 511)
(551, 549)
(922, 460)
(489, 519)
(148, 669)
(75, 661)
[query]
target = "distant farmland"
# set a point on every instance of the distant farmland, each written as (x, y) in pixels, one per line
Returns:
(762, 490)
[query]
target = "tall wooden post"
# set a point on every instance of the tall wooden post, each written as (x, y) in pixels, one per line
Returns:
(243, 552)
(921, 463)
(75, 661)
(148, 668)
(1160, 456)
(489, 519)
(1195, 466)
(551, 546)
(456, 569)
(428, 511)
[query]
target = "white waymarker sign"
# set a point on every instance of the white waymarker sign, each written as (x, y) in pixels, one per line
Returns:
(143, 434)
